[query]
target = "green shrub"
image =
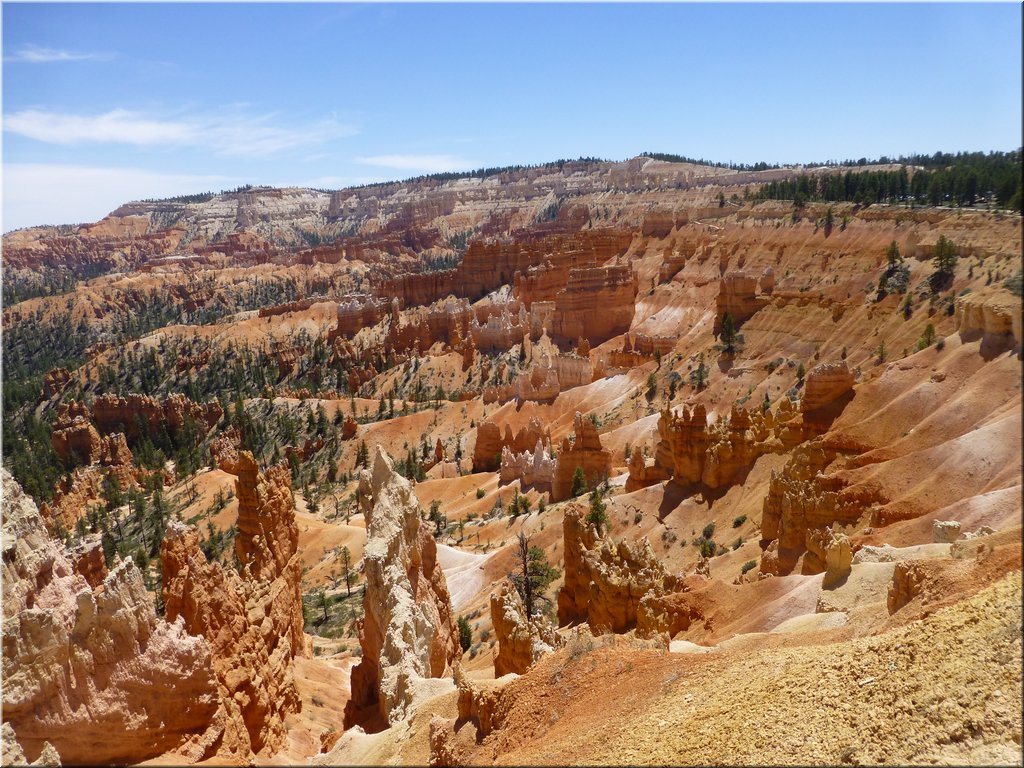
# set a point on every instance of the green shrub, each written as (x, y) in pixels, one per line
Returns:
(747, 566)
(739, 521)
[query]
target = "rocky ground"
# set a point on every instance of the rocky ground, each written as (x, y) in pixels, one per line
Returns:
(769, 469)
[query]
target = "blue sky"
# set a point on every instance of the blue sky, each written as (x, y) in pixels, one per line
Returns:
(108, 103)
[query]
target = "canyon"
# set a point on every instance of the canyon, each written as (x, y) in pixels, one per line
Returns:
(609, 462)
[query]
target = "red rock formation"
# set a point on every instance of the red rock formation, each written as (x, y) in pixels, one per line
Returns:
(605, 581)
(825, 384)
(585, 451)
(356, 312)
(224, 450)
(87, 557)
(644, 471)
(73, 497)
(737, 297)
(801, 498)
(520, 641)
(54, 381)
(111, 413)
(490, 442)
(691, 451)
(253, 622)
(74, 438)
(596, 303)
(349, 428)
(91, 669)
(408, 630)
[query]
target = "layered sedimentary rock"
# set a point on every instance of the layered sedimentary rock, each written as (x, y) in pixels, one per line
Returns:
(92, 670)
(605, 581)
(596, 303)
(825, 384)
(801, 498)
(492, 262)
(408, 630)
(521, 641)
(637, 349)
(584, 452)
(356, 312)
(253, 621)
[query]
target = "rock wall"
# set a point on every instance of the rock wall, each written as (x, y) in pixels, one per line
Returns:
(91, 669)
(585, 451)
(253, 621)
(408, 630)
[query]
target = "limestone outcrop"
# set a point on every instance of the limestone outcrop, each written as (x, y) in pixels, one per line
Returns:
(92, 671)
(605, 581)
(828, 551)
(408, 630)
(253, 621)
(945, 531)
(825, 384)
(993, 315)
(584, 452)
(521, 641)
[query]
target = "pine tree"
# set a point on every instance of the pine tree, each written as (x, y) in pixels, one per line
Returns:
(579, 483)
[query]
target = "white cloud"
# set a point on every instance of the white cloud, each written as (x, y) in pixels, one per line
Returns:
(227, 134)
(36, 54)
(424, 163)
(37, 194)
